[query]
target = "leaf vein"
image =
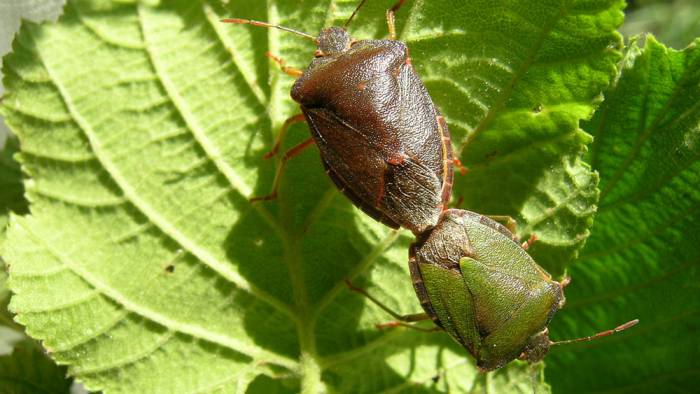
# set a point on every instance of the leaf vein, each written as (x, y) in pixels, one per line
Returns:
(79, 201)
(151, 213)
(90, 295)
(192, 330)
(213, 20)
(645, 132)
(372, 256)
(517, 76)
(620, 291)
(118, 318)
(132, 359)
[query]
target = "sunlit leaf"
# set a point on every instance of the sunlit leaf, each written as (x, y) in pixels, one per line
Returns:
(144, 267)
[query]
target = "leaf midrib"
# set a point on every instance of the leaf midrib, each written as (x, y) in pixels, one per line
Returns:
(248, 77)
(311, 363)
(169, 230)
(292, 257)
(515, 79)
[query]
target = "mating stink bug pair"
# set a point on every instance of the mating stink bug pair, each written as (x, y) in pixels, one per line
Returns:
(387, 147)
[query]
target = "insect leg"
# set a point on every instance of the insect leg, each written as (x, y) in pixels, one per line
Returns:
(458, 163)
(283, 131)
(280, 169)
(512, 225)
(393, 324)
(565, 282)
(526, 245)
(505, 220)
(294, 72)
(413, 317)
(390, 18)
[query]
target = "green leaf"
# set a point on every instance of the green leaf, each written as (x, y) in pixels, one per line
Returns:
(144, 267)
(524, 76)
(11, 199)
(11, 189)
(643, 258)
(5, 315)
(29, 371)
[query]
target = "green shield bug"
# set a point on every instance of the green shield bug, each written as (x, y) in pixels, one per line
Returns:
(382, 140)
(477, 283)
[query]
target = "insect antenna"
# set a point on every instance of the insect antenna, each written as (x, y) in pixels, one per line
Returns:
(265, 24)
(598, 335)
(347, 22)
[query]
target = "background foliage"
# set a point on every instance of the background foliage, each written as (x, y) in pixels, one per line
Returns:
(143, 267)
(643, 256)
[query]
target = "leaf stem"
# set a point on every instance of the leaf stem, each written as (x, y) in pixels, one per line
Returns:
(310, 374)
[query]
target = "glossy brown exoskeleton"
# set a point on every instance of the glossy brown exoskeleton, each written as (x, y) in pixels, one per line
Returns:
(382, 140)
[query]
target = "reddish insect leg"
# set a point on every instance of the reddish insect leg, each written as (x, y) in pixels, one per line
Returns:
(283, 131)
(294, 72)
(458, 163)
(526, 245)
(505, 220)
(512, 225)
(402, 319)
(390, 18)
(393, 324)
(280, 169)
(460, 201)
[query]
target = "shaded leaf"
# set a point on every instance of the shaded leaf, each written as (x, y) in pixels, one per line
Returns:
(524, 77)
(11, 189)
(27, 370)
(11, 199)
(643, 258)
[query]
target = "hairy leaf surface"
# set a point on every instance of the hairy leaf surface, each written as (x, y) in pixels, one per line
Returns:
(144, 267)
(643, 257)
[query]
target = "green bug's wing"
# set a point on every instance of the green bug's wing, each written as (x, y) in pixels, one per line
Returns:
(510, 339)
(494, 249)
(509, 309)
(452, 303)
(497, 295)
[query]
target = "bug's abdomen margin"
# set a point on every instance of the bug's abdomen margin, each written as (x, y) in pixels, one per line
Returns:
(419, 287)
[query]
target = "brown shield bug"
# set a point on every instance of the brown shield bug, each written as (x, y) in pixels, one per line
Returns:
(477, 283)
(382, 140)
